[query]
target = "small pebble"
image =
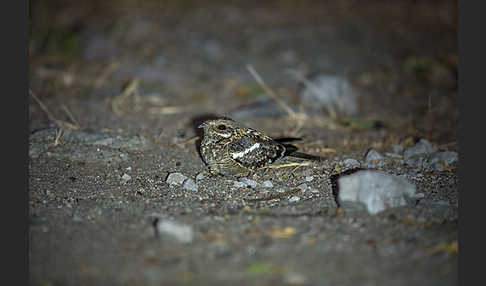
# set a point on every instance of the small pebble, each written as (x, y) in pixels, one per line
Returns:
(126, 177)
(190, 185)
(326, 91)
(373, 159)
(351, 163)
(294, 278)
(200, 176)
(294, 199)
(309, 178)
(438, 160)
(249, 182)
(303, 187)
(175, 179)
(421, 147)
(172, 230)
(267, 184)
(239, 184)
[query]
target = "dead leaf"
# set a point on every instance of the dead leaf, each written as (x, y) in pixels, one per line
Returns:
(285, 232)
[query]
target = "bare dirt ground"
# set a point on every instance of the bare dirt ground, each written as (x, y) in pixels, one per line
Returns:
(116, 93)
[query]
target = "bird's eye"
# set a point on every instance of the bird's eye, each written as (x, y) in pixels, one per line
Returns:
(222, 127)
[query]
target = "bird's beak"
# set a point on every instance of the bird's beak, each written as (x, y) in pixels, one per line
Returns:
(202, 125)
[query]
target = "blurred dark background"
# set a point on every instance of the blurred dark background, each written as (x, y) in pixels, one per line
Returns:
(393, 51)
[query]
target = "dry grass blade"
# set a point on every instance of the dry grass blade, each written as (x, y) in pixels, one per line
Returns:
(59, 133)
(292, 164)
(51, 117)
(270, 92)
(112, 67)
(298, 117)
(190, 140)
(165, 110)
(70, 115)
(127, 100)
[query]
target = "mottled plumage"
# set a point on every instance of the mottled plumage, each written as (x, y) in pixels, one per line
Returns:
(229, 148)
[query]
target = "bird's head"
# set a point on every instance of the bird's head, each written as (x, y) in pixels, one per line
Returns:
(219, 129)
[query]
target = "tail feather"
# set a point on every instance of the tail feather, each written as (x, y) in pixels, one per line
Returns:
(291, 151)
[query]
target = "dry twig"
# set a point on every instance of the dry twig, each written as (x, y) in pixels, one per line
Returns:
(61, 123)
(299, 117)
(59, 133)
(107, 71)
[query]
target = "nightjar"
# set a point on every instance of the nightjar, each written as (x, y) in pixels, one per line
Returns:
(229, 148)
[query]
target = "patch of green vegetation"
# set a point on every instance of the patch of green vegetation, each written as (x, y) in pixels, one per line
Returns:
(70, 43)
(359, 124)
(255, 90)
(418, 64)
(261, 268)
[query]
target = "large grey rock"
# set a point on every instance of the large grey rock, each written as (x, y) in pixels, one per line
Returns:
(374, 191)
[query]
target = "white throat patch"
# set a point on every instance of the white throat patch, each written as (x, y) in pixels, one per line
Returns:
(225, 135)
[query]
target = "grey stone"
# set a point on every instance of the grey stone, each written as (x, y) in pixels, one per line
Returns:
(239, 184)
(171, 230)
(303, 187)
(438, 160)
(374, 191)
(267, 184)
(330, 92)
(294, 199)
(309, 178)
(199, 176)
(248, 182)
(190, 185)
(416, 161)
(420, 148)
(373, 159)
(351, 163)
(175, 179)
(126, 177)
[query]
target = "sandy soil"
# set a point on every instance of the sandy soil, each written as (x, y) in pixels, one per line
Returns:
(116, 93)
